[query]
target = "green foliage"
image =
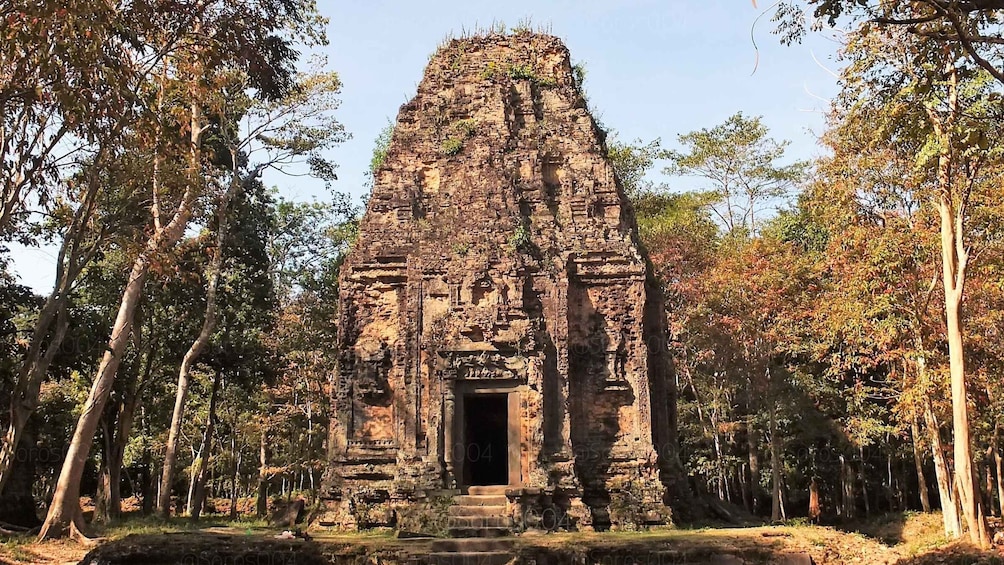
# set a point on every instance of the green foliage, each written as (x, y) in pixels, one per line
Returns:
(976, 33)
(663, 215)
(451, 146)
(461, 248)
(490, 72)
(309, 244)
(632, 162)
(462, 130)
(521, 238)
(518, 71)
(521, 71)
(525, 71)
(798, 228)
(380, 146)
(579, 72)
(466, 127)
(741, 164)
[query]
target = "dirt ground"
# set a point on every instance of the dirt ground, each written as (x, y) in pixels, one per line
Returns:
(901, 539)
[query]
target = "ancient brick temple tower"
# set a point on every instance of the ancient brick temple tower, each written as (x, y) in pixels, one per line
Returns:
(497, 323)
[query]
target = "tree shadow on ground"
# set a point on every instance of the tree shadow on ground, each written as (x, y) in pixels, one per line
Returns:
(889, 529)
(184, 548)
(954, 555)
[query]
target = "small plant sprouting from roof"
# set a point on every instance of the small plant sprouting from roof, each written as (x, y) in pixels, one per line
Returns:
(491, 71)
(521, 72)
(579, 72)
(380, 147)
(466, 127)
(524, 26)
(462, 248)
(451, 146)
(462, 130)
(521, 238)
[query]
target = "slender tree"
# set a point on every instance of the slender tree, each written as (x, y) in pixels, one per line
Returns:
(277, 133)
(740, 163)
(249, 37)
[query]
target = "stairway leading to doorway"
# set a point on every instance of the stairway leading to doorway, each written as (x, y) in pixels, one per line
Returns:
(481, 513)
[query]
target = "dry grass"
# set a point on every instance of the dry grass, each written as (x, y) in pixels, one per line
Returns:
(896, 539)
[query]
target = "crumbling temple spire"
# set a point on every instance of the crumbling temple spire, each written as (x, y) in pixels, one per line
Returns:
(498, 326)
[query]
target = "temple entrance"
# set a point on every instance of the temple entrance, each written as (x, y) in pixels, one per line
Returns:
(486, 439)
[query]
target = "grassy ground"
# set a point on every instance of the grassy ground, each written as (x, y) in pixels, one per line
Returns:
(896, 539)
(24, 549)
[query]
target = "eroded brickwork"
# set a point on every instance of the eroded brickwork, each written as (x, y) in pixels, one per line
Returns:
(498, 255)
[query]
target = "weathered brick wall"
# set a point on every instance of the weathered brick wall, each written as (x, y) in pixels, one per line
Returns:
(497, 246)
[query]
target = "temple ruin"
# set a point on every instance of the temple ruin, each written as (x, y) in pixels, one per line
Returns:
(499, 333)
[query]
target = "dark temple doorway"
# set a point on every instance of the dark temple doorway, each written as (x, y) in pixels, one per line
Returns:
(486, 434)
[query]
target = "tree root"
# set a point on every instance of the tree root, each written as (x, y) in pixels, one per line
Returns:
(79, 531)
(75, 530)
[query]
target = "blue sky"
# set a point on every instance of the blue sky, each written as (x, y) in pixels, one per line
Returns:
(656, 68)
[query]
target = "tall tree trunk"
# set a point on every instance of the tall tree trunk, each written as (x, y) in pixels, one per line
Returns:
(117, 448)
(148, 480)
(199, 472)
(114, 487)
(890, 493)
(753, 453)
(968, 487)
(988, 475)
(952, 203)
(918, 461)
(64, 512)
(946, 492)
(117, 438)
(261, 506)
(234, 467)
(102, 513)
(995, 462)
(170, 449)
(193, 353)
(864, 482)
(745, 487)
(52, 323)
(847, 489)
(777, 509)
(999, 468)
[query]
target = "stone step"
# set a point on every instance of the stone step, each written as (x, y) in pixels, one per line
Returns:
(456, 510)
(478, 522)
(470, 558)
(480, 500)
(487, 532)
(472, 545)
(490, 489)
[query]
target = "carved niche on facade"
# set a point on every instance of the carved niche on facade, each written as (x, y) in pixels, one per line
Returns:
(373, 366)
